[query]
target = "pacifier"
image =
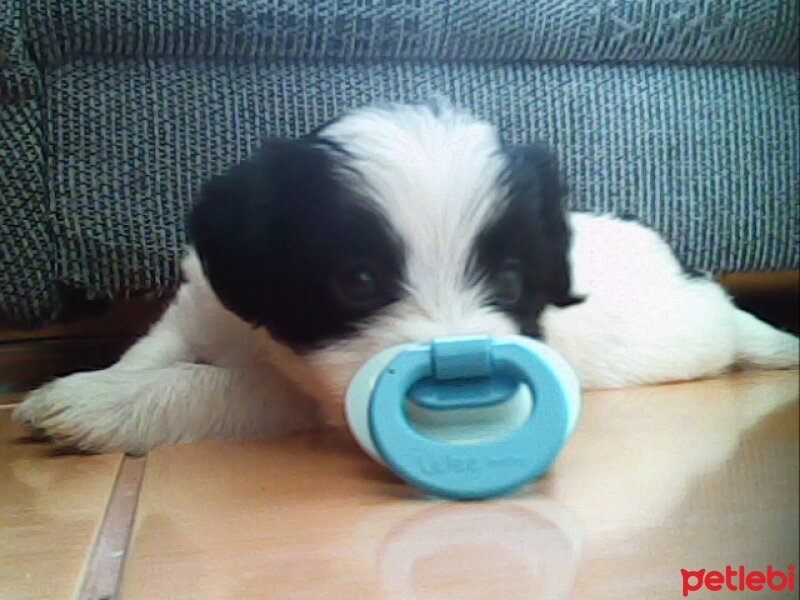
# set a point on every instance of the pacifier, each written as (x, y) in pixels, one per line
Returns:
(465, 417)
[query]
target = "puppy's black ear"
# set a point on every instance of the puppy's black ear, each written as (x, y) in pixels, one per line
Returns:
(538, 197)
(236, 226)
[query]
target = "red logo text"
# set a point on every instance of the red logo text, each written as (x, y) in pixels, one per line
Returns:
(739, 580)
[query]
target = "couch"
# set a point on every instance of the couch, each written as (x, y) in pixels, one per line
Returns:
(682, 113)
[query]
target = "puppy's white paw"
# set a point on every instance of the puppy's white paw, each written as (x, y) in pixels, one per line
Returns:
(83, 411)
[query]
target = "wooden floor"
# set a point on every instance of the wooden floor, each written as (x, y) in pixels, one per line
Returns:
(691, 475)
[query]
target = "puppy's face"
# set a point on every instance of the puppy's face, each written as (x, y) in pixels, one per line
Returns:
(385, 227)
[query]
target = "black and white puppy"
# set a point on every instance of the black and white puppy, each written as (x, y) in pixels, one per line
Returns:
(392, 225)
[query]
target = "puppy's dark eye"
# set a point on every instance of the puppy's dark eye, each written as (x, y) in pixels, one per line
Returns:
(359, 286)
(508, 284)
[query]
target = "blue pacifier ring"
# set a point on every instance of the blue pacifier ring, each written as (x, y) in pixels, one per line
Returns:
(484, 469)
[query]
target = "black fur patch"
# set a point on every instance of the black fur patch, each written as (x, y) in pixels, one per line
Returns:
(532, 231)
(272, 232)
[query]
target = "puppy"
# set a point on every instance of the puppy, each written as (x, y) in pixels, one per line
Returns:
(386, 226)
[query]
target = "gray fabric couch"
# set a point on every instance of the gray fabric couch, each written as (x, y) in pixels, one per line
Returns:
(684, 113)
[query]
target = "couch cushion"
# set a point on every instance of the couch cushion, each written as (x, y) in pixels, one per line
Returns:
(27, 247)
(27, 250)
(706, 155)
(558, 30)
(19, 77)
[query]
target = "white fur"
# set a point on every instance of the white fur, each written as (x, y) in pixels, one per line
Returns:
(645, 321)
(161, 391)
(202, 372)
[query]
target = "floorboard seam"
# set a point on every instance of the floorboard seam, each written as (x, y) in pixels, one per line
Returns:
(104, 569)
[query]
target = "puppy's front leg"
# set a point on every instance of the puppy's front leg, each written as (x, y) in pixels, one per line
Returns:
(157, 392)
(121, 410)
